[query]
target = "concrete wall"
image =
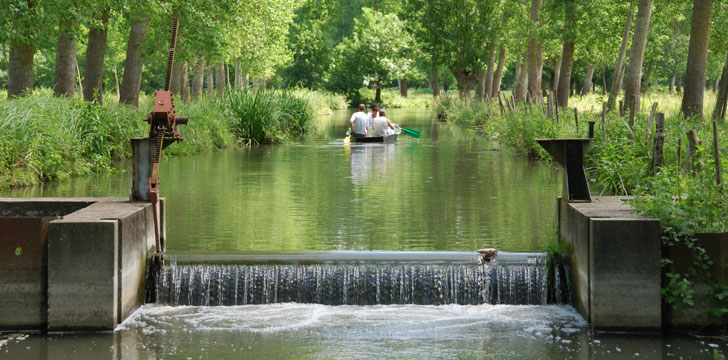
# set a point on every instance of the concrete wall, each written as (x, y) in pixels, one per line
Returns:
(23, 266)
(86, 270)
(691, 317)
(615, 257)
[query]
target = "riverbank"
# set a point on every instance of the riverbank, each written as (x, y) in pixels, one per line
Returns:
(44, 138)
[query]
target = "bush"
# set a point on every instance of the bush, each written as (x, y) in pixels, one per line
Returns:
(266, 117)
(45, 138)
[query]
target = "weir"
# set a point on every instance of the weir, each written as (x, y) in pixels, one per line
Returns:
(358, 278)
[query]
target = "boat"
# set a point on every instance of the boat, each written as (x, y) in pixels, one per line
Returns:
(376, 139)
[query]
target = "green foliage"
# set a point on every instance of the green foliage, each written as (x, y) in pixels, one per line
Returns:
(266, 117)
(678, 290)
(379, 50)
(46, 138)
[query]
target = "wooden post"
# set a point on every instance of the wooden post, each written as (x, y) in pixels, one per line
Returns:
(679, 154)
(604, 118)
(557, 113)
(632, 112)
(591, 129)
(693, 141)
(576, 118)
(500, 103)
(716, 155)
(649, 122)
(658, 156)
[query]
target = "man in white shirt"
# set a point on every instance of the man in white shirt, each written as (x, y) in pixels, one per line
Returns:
(359, 122)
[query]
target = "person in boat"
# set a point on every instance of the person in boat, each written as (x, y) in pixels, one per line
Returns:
(380, 124)
(359, 122)
(373, 115)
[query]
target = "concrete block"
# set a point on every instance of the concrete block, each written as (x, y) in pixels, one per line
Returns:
(625, 273)
(82, 274)
(23, 266)
(615, 262)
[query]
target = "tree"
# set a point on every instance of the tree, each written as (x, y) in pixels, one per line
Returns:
(618, 68)
(692, 102)
(20, 30)
(131, 83)
(375, 33)
(634, 72)
(567, 57)
(93, 87)
(535, 55)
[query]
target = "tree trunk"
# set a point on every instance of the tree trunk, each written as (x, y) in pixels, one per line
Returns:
(618, 70)
(692, 101)
(246, 81)
(403, 87)
(93, 87)
(672, 83)
(567, 57)
(648, 74)
(435, 81)
(64, 81)
(604, 80)
(557, 74)
(535, 55)
(132, 80)
(498, 77)
(586, 88)
(176, 84)
(715, 84)
(238, 75)
(634, 72)
(210, 85)
(184, 78)
(20, 70)
(678, 86)
(491, 70)
(220, 77)
(378, 94)
(522, 81)
(198, 76)
(482, 89)
(722, 98)
(465, 80)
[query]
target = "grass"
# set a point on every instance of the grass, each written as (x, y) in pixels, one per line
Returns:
(44, 138)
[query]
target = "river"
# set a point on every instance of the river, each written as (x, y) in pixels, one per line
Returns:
(451, 190)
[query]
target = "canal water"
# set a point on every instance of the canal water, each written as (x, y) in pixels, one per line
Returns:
(451, 190)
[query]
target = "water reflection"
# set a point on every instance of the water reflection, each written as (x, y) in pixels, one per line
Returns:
(369, 160)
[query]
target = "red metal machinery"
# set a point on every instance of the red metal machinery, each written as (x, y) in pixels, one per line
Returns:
(163, 131)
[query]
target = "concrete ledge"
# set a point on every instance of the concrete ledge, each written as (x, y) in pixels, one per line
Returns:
(84, 271)
(615, 258)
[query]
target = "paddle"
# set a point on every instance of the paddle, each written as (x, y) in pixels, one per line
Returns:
(411, 132)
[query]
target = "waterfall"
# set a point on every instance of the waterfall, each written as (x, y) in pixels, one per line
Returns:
(466, 283)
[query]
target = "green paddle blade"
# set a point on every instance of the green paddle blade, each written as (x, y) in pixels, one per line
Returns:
(413, 133)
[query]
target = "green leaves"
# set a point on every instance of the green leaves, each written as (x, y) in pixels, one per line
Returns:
(379, 50)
